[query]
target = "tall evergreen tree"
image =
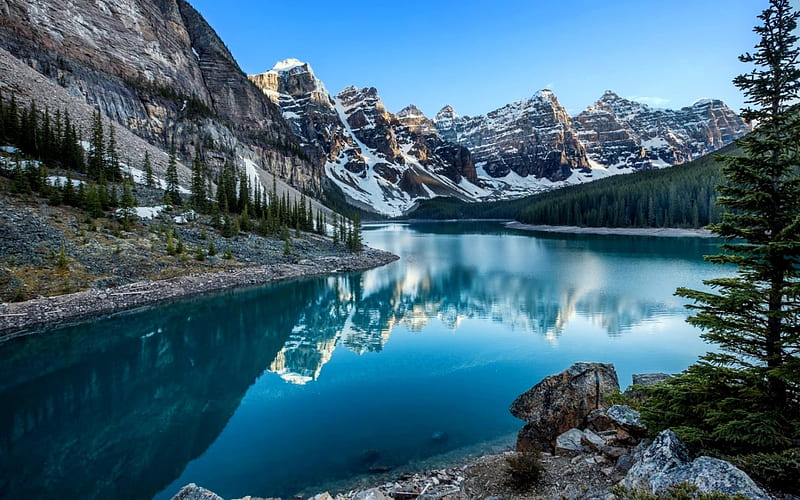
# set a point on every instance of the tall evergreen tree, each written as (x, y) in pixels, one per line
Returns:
(747, 394)
(147, 167)
(199, 198)
(96, 160)
(113, 168)
(172, 196)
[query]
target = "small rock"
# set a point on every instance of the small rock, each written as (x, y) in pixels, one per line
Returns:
(193, 492)
(570, 440)
(627, 418)
(592, 440)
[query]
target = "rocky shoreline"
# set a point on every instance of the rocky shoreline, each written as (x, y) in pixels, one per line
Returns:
(23, 318)
(670, 232)
(590, 452)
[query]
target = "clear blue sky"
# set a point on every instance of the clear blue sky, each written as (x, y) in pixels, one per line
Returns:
(479, 55)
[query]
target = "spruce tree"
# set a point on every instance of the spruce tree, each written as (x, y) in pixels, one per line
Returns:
(745, 395)
(96, 161)
(172, 196)
(199, 197)
(113, 168)
(147, 167)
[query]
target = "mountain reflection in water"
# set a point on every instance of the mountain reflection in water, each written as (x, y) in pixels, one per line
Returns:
(131, 406)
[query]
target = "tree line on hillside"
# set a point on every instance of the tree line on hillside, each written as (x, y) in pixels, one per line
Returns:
(680, 196)
(96, 183)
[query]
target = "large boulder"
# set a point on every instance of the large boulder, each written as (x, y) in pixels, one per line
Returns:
(561, 402)
(667, 462)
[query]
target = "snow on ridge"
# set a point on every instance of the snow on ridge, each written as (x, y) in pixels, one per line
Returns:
(287, 64)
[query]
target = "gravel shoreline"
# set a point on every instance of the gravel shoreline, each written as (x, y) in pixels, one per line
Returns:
(24, 318)
(672, 232)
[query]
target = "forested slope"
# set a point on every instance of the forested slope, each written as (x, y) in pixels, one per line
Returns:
(680, 196)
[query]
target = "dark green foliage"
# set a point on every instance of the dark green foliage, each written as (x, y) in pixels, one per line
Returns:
(525, 470)
(96, 160)
(172, 195)
(745, 396)
(147, 167)
(682, 491)
(679, 196)
(112, 164)
(753, 317)
(717, 408)
(354, 240)
(228, 229)
(199, 196)
(779, 471)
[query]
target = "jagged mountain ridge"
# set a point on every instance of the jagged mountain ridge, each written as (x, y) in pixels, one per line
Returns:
(385, 162)
(158, 69)
(622, 133)
(380, 161)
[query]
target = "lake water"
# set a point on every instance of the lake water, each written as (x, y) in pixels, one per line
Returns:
(305, 385)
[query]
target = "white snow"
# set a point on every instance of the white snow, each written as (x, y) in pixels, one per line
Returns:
(61, 180)
(251, 169)
(149, 212)
(9, 149)
(287, 64)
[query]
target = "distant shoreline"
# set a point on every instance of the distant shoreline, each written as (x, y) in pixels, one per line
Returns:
(669, 232)
(23, 318)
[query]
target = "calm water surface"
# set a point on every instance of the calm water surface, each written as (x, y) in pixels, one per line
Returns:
(301, 385)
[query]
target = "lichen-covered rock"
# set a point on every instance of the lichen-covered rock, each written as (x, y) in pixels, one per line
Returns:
(629, 419)
(667, 461)
(570, 441)
(561, 402)
(193, 492)
(665, 453)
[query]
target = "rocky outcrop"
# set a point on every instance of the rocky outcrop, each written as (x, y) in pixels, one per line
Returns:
(622, 134)
(381, 162)
(561, 402)
(667, 462)
(532, 137)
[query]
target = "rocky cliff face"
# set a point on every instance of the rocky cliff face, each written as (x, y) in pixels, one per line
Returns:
(156, 67)
(533, 137)
(620, 133)
(380, 161)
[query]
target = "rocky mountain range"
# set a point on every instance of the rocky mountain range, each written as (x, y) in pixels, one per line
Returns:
(385, 162)
(157, 68)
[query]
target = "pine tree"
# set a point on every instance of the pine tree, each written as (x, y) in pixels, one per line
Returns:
(147, 167)
(96, 161)
(172, 196)
(753, 317)
(199, 197)
(113, 168)
(128, 203)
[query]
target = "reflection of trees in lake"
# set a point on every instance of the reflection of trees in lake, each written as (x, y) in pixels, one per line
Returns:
(117, 408)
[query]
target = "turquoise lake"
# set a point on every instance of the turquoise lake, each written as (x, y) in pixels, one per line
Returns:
(317, 384)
